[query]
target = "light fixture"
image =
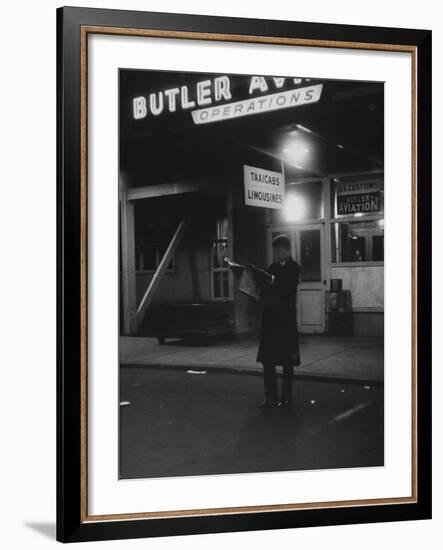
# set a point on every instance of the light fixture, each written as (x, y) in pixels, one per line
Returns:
(303, 128)
(340, 146)
(295, 208)
(296, 150)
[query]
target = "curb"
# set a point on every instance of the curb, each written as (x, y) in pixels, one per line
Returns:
(257, 372)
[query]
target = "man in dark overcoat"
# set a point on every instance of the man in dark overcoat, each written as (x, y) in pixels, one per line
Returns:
(278, 335)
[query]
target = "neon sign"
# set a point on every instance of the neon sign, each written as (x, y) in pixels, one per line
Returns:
(207, 99)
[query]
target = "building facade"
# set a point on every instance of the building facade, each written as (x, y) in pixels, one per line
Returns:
(201, 180)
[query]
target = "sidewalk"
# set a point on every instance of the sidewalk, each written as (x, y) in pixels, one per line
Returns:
(355, 359)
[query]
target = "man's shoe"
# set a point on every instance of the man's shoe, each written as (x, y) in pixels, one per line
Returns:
(269, 404)
(286, 404)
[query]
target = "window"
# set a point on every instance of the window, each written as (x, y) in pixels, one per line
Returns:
(220, 271)
(378, 244)
(361, 241)
(151, 241)
(148, 257)
(357, 196)
(310, 255)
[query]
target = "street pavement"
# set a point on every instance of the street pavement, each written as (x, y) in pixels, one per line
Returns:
(326, 357)
(178, 423)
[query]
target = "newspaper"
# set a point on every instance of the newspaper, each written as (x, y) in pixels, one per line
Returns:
(248, 284)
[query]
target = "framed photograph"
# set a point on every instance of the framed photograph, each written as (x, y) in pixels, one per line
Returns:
(244, 274)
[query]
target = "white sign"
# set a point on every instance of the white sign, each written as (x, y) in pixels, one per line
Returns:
(204, 93)
(169, 100)
(263, 188)
(256, 105)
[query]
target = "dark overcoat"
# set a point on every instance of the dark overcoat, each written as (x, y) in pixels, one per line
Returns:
(278, 335)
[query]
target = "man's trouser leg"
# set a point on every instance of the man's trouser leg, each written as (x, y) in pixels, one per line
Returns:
(270, 380)
(288, 373)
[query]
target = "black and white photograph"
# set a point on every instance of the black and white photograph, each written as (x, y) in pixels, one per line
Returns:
(251, 273)
(217, 284)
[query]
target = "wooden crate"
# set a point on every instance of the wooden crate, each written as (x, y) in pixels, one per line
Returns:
(338, 301)
(189, 320)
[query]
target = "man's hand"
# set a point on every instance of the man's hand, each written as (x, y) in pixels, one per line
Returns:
(237, 269)
(261, 275)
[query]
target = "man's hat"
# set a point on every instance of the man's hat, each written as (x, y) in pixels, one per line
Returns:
(282, 240)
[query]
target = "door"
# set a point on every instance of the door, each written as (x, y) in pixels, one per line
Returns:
(310, 255)
(308, 250)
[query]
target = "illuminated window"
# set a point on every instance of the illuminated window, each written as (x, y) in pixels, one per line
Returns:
(360, 241)
(357, 196)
